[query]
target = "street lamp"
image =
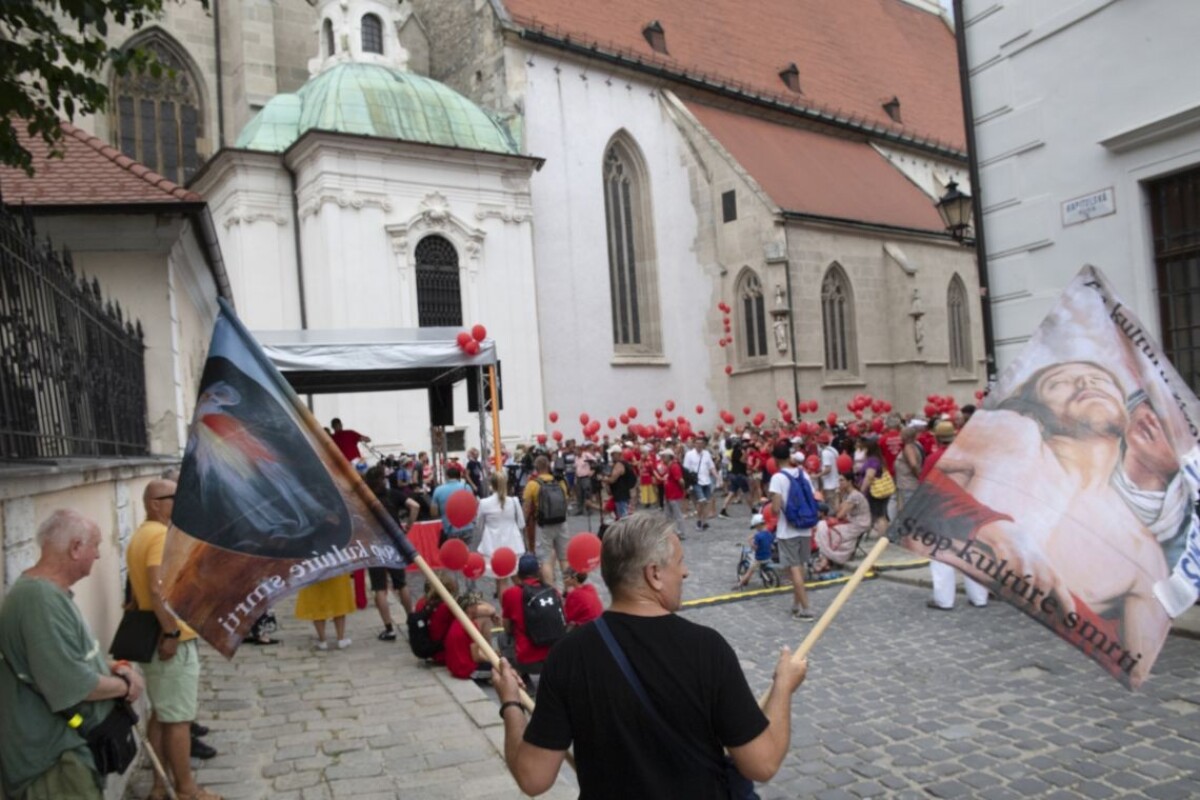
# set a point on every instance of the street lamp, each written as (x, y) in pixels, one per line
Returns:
(955, 210)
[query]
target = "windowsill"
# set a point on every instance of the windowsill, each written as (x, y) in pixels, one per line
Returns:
(639, 360)
(963, 377)
(837, 381)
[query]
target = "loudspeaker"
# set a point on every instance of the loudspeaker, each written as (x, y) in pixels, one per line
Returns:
(441, 404)
(473, 387)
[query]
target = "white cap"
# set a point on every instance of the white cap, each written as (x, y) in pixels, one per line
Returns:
(918, 423)
(757, 520)
(666, 453)
(616, 448)
(798, 457)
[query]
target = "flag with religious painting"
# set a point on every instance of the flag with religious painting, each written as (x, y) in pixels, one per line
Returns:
(266, 504)
(1071, 493)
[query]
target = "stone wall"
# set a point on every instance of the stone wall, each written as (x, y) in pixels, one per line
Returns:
(467, 53)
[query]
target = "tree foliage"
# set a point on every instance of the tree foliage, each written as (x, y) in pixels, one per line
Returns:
(54, 56)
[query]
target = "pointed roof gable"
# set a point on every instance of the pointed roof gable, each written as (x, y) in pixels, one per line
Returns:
(815, 174)
(90, 173)
(852, 56)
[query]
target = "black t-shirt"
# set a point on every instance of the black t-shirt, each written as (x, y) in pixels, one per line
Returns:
(737, 461)
(691, 675)
(623, 485)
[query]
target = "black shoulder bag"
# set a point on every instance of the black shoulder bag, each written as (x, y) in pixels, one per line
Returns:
(738, 786)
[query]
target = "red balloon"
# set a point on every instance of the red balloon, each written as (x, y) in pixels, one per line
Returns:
(474, 566)
(699, 409)
(462, 338)
(632, 412)
(461, 507)
(504, 562)
(858, 415)
(812, 406)
(557, 436)
(845, 463)
(803, 428)
(658, 413)
(831, 418)
(787, 416)
(612, 422)
(853, 431)
(759, 418)
(554, 416)
(583, 552)
(930, 409)
(454, 554)
(877, 424)
(746, 410)
(728, 369)
(479, 333)
(471, 347)
(541, 437)
(979, 394)
(624, 419)
(813, 464)
(669, 405)
(593, 426)
(583, 419)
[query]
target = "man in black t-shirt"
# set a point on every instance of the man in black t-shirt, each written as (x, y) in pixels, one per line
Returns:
(689, 672)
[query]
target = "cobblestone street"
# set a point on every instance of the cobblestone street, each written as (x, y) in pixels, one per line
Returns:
(900, 702)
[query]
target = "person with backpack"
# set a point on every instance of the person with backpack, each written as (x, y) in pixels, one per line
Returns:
(545, 500)
(533, 616)
(430, 621)
(792, 501)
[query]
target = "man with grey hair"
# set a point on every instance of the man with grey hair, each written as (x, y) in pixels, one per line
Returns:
(52, 668)
(691, 677)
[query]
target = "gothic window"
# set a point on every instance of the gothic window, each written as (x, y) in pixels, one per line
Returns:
(327, 35)
(372, 34)
(837, 318)
(632, 270)
(439, 302)
(958, 323)
(158, 120)
(754, 316)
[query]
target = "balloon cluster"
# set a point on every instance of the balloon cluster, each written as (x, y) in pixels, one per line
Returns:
(726, 327)
(468, 342)
(583, 554)
(936, 405)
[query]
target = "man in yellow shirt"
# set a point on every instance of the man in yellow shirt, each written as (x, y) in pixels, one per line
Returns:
(546, 519)
(173, 676)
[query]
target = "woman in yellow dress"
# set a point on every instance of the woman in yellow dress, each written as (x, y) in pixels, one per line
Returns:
(328, 599)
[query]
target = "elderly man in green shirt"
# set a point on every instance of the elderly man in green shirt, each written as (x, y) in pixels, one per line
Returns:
(51, 667)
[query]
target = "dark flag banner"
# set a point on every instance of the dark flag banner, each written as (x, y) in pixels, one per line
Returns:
(266, 504)
(1071, 494)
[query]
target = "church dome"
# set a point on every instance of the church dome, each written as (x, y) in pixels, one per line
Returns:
(376, 100)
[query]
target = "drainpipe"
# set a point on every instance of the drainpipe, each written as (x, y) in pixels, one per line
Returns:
(787, 276)
(985, 298)
(292, 185)
(216, 15)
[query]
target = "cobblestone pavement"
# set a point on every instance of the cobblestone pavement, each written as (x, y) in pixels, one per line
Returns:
(900, 702)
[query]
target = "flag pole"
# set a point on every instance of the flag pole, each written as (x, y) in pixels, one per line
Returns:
(826, 619)
(496, 457)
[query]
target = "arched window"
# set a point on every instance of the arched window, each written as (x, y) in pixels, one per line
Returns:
(372, 34)
(959, 326)
(439, 302)
(632, 266)
(837, 318)
(754, 315)
(158, 120)
(327, 36)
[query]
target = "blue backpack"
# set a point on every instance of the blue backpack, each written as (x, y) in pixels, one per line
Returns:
(800, 511)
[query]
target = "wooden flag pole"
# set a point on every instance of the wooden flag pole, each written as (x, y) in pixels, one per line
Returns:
(826, 619)
(496, 457)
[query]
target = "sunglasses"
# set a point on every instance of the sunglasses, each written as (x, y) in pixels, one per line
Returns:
(166, 497)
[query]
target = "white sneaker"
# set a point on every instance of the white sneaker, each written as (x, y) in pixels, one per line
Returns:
(343, 644)
(321, 646)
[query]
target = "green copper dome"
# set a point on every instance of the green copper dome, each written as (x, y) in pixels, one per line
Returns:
(375, 100)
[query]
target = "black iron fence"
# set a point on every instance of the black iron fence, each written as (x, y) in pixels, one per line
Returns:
(72, 373)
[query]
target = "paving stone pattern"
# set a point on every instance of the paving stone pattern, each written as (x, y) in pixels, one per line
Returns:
(900, 702)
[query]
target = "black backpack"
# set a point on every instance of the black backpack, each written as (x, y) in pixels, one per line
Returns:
(419, 638)
(552, 503)
(545, 621)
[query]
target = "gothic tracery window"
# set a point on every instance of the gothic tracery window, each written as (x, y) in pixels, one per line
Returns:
(958, 326)
(372, 34)
(158, 120)
(439, 300)
(837, 318)
(754, 316)
(632, 270)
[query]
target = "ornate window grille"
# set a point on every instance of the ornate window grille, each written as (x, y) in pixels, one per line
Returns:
(958, 325)
(633, 282)
(837, 318)
(158, 120)
(754, 316)
(439, 300)
(327, 34)
(72, 373)
(1175, 221)
(372, 34)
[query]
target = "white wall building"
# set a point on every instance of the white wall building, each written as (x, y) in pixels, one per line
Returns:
(1087, 125)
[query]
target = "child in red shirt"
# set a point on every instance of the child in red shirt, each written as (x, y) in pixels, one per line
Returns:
(582, 604)
(463, 656)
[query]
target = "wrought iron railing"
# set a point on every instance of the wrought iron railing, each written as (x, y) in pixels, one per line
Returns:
(72, 372)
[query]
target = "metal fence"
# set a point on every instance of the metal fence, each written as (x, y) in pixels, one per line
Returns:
(72, 372)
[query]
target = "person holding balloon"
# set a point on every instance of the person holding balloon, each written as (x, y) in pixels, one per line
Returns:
(502, 521)
(439, 504)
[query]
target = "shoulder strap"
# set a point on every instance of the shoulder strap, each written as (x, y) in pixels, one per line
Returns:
(680, 743)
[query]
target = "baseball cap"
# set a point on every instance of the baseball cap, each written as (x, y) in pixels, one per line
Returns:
(528, 566)
(756, 520)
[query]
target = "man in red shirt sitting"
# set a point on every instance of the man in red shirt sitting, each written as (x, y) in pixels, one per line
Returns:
(464, 658)
(582, 604)
(529, 654)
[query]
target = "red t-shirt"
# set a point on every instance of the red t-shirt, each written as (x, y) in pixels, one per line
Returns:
(582, 605)
(347, 441)
(673, 483)
(891, 444)
(458, 651)
(512, 606)
(931, 460)
(927, 441)
(439, 626)
(647, 472)
(769, 518)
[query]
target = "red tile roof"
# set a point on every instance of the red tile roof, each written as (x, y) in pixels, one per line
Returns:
(853, 55)
(90, 173)
(812, 173)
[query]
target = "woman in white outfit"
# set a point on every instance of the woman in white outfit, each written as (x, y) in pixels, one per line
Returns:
(503, 523)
